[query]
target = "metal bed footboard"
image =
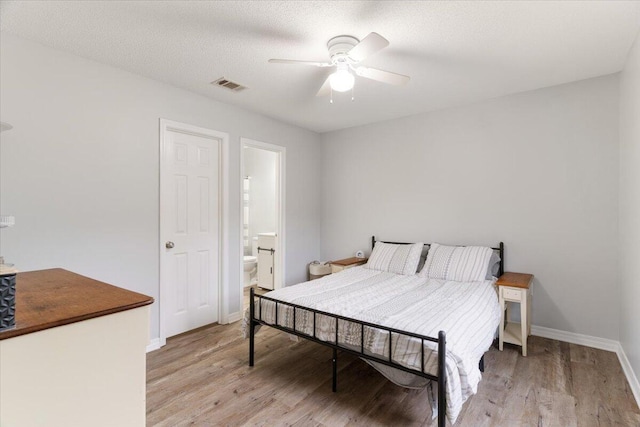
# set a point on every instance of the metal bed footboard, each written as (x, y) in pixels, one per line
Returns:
(440, 378)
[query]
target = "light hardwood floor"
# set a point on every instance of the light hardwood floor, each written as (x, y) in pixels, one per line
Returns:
(202, 378)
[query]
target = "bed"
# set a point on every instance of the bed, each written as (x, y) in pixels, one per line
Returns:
(415, 329)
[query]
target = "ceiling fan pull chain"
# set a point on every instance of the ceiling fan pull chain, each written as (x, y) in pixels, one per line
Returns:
(331, 97)
(352, 93)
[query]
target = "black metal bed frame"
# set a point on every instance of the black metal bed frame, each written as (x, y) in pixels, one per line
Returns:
(440, 378)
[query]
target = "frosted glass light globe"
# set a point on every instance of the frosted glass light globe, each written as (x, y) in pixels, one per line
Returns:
(342, 80)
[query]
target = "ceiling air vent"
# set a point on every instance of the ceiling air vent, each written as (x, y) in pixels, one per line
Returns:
(222, 82)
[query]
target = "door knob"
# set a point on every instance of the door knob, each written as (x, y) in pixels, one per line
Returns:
(169, 245)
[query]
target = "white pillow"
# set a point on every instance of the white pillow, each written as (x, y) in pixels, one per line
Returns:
(399, 259)
(458, 263)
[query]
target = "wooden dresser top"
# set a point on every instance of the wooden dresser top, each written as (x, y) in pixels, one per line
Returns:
(49, 298)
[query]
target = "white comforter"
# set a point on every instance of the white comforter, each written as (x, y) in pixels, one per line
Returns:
(468, 312)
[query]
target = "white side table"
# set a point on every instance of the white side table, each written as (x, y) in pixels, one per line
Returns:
(515, 288)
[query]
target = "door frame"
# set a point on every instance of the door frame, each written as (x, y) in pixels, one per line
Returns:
(279, 260)
(223, 216)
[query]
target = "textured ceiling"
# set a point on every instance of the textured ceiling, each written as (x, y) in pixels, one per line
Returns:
(455, 52)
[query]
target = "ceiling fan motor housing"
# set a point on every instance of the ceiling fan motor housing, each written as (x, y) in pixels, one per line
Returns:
(340, 46)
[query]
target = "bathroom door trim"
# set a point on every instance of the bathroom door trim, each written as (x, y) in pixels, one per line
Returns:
(279, 260)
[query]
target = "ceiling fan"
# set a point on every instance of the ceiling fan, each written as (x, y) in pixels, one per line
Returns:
(345, 54)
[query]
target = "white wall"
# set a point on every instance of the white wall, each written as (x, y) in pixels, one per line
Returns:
(629, 297)
(537, 170)
(260, 165)
(80, 169)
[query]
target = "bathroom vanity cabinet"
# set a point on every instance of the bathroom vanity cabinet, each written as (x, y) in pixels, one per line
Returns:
(266, 257)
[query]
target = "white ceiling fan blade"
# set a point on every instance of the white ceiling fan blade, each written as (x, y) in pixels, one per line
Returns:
(368, 46)
(293, 61)
(325, 88)
(382, 76)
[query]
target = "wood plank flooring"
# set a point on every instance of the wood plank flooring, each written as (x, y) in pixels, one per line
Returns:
(202, 378)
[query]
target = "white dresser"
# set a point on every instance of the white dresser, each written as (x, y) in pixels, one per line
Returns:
(76, 356)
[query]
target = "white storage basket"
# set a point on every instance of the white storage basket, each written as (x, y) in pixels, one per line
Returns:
(319, 269)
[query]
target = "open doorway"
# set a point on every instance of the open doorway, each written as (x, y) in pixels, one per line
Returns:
(262, 198)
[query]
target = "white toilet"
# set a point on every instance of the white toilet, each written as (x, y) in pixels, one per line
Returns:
(251, 263)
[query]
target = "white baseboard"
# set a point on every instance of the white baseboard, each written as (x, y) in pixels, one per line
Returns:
(573, 338)
(234, 317)
(154, 345)
(628, 372)
(594, 342)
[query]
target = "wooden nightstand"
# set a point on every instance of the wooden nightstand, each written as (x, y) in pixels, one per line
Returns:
(343, 264)
(515, 287)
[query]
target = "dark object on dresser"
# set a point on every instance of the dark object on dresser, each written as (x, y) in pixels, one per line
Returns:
(7, 301)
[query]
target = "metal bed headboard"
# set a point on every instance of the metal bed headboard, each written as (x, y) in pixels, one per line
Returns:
(499, 250)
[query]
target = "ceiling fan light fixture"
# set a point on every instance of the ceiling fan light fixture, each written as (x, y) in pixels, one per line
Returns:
(345, 54)
(342, 80)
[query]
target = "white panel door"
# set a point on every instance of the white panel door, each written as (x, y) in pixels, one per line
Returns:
(189, 222)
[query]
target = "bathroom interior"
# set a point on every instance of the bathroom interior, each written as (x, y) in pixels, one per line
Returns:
(260, 216)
